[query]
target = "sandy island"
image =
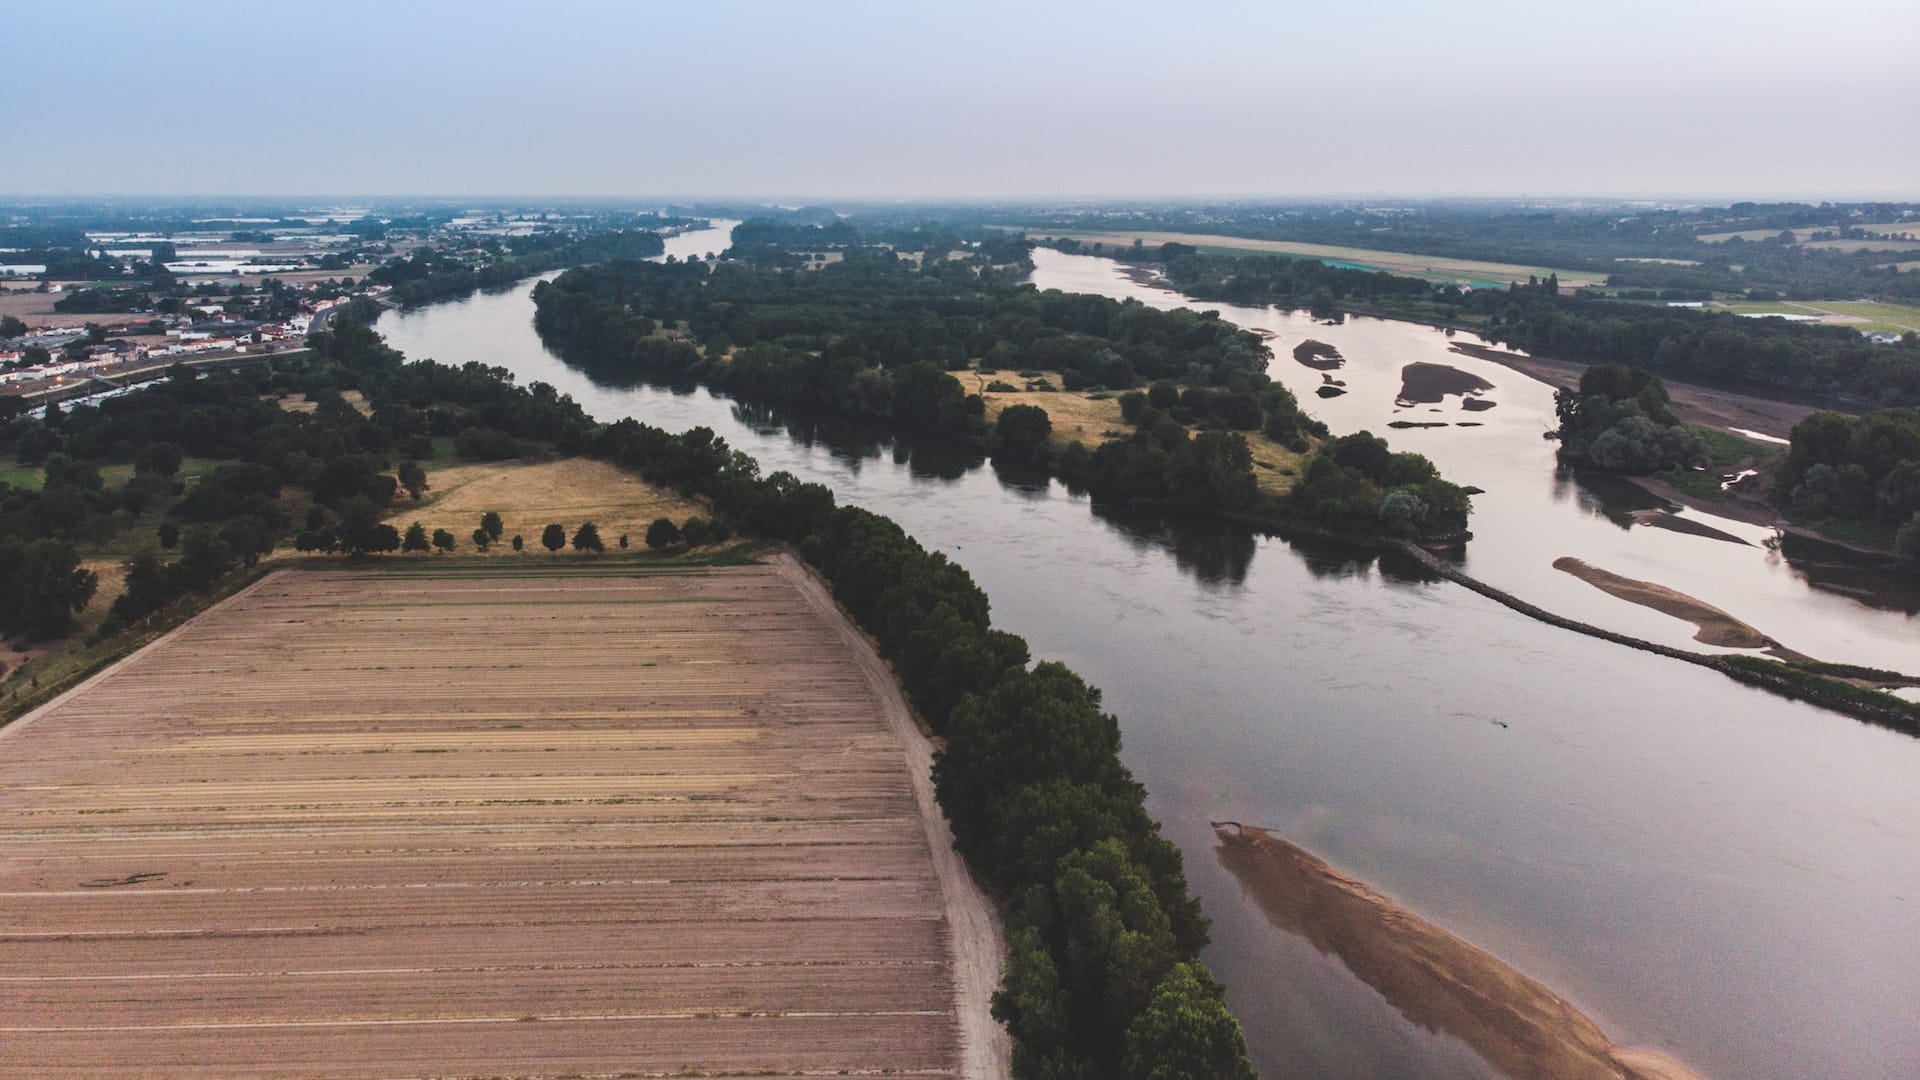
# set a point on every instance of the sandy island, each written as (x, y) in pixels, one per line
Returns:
(1716, 627)
(1318, 355)
(1435, 979)
(1422, 383)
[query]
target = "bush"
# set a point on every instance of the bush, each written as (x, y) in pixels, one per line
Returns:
(662, 533)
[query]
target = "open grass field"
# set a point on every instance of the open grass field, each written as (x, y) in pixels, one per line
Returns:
(1087, 419)
(1859, 314)
(475, 823)
(530, 495)
(1432, 267)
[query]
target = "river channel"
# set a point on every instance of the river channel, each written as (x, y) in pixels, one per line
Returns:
(1707, 870)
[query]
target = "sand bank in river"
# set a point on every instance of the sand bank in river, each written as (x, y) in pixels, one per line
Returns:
(1422, 383)
(1435, 979)
(1716, 627)
(1661, 519)
(1318, 355)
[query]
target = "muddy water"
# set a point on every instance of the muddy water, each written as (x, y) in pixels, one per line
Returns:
(1704, 869)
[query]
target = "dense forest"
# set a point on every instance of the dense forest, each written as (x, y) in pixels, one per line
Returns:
(428, 274)
(876, 332)
(1856, 470)
(1682, 342)
(1621, 420)
(1102, 976)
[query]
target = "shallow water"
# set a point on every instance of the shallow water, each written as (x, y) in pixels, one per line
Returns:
(1704, 868)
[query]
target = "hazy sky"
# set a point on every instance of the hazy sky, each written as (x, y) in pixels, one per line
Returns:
(1674, 97)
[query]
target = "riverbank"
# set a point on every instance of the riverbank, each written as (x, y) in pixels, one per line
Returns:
(1435, 979)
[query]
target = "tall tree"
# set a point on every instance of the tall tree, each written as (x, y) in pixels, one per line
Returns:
(553, 537)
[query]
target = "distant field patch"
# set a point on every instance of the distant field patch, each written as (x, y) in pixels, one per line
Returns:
(1431, 267)
(1862, 315)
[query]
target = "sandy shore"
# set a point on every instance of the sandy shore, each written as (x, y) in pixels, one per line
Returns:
(1435, 979)
(1716, 627)
(1703, 405)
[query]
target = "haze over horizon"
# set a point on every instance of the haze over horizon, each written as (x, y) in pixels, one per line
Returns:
(1378, 98)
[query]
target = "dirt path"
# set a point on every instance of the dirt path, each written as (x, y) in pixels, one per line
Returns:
(979, 943)
(1434, 978)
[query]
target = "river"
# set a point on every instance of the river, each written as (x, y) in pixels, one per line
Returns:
(1704, 868)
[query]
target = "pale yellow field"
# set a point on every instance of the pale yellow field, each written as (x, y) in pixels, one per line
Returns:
(1081, 418)
(529, 496)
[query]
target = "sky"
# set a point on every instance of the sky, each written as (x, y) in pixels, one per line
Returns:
(1676, 98)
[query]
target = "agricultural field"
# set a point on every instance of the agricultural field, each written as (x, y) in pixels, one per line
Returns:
(555, 821)
(528, 496)
(1862, 315)
(1431, 267)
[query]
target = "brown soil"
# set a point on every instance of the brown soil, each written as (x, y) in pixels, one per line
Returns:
(1318, 355)
(1715, 627)
(1435, 979)
(1427, 384)
(478, 823)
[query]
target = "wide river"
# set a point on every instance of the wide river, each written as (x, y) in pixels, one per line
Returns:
(1704, 868)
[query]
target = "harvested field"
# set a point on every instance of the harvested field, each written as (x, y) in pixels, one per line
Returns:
(478, 823)
(1715, 627)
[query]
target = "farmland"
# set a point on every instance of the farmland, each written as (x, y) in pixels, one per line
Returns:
(560, 820)
(1431, 267)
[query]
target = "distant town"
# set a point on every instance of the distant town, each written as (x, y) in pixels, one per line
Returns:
(91, 301)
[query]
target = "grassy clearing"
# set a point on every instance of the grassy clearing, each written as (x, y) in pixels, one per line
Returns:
(529, 495)
(1862, 315)
(1729, 449)
(1432, 267)
(29, 477)
(1091, 417)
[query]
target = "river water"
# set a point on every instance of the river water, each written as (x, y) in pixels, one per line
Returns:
(1704, 868)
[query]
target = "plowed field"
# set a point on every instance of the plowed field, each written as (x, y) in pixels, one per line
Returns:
(408, 824)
